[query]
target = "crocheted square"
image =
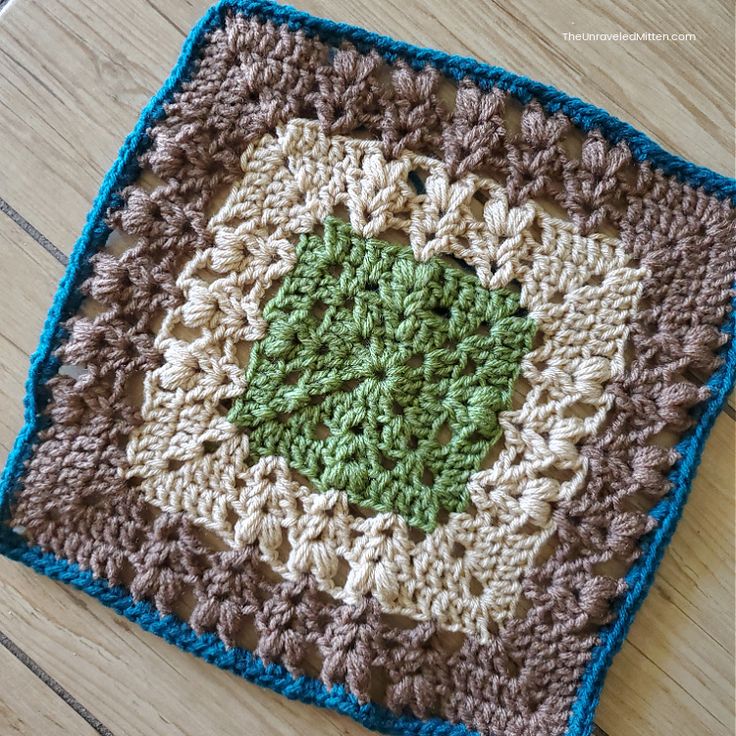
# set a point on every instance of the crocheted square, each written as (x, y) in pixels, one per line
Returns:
(378, 378)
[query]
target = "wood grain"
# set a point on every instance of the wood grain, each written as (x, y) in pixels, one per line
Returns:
(132, 681)
(27, 706)
(30, 277)
(73, 77)
(675, 673)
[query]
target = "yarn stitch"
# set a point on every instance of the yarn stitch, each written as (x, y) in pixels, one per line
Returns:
(184, 435)
(367, 358)
(272, 122)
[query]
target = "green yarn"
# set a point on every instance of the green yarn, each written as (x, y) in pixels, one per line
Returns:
(381, 376)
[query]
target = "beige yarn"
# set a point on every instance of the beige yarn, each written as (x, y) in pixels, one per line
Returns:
(466, 575)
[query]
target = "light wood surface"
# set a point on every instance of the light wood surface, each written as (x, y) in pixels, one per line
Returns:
(28, 706)
(73, 77)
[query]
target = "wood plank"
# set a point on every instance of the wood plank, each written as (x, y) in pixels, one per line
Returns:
(30, 276)
(132, 681)
(64, 122)
(66, 133)
(682, 639)
(27, 706)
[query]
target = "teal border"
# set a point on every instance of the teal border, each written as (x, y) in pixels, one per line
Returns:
(94, 235)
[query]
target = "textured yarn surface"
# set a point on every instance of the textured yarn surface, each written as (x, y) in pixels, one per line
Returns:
(477, 558)
(349, 233)
(368, 358)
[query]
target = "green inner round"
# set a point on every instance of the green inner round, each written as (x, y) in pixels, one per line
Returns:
(381, 376)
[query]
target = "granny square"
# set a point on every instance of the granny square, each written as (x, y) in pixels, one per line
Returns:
(378, 377)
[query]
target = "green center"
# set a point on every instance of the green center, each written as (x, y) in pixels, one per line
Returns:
(381, 376)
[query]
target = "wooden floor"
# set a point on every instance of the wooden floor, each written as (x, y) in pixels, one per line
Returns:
(73, 76)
